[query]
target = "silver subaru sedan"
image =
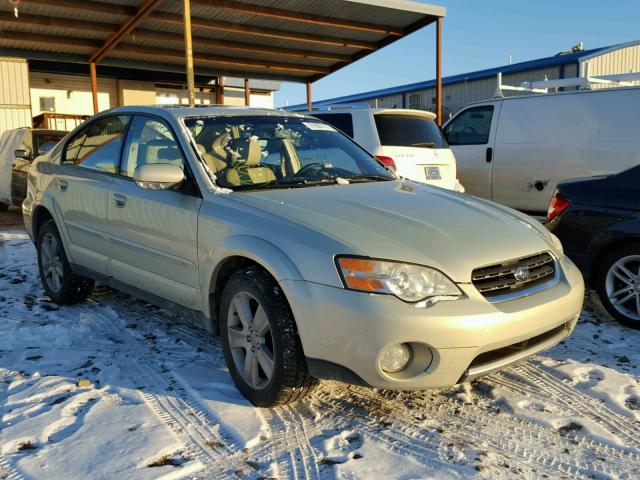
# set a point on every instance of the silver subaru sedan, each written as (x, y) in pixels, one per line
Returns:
(302, 251)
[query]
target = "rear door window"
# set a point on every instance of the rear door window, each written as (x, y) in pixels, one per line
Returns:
(342, 121)
(470, 127)
(409, 131)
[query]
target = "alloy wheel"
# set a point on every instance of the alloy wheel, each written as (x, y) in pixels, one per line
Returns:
(52, 268)
(250, 340)
(622, 286)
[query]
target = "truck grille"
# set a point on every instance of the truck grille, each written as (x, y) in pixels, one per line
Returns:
(513, 276)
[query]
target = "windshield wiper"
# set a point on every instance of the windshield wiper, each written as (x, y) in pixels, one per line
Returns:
(424, 144)
(299, 183)
(302, 182)
(368, 178)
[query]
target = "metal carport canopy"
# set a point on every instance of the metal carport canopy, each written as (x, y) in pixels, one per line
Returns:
(289, 40)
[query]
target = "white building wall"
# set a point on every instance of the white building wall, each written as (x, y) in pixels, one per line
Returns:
(460, 94)
(232, 96)
(622, 60)
(15, 107)
(72, 93)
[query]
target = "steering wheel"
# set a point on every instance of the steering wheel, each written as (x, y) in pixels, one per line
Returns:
(468, 129)
(319, 171)
(310, 170)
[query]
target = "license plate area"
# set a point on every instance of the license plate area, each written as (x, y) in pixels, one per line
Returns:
(432, 173)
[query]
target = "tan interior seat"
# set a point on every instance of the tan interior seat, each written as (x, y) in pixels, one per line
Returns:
(218, 150)
(289, 160)
(247, 168)
(214, 164)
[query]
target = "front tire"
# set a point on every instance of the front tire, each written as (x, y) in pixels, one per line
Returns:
(618, 284)
(4, 207)
(59, 282)
(260, 340)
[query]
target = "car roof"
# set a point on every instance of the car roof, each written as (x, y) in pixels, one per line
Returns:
(181, 111)
(333, 109)
(405, 111)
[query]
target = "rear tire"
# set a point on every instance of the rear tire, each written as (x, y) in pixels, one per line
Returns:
(4, 207)
(260, 340)
(618, 284)
(59, 282)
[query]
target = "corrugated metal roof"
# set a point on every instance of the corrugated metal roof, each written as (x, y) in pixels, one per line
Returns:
(561, 59)
(290, 40)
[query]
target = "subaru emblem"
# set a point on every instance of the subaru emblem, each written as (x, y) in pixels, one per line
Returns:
(521, 274)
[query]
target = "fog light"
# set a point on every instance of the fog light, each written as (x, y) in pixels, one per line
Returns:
(395, 357)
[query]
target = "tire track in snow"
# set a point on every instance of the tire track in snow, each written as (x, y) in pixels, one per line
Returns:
(7, 470)
(189, 423)
(299, 460)
(553, 389)
(423, 445)
(527, 445)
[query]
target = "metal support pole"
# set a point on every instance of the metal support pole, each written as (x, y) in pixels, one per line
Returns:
(220, 91)
(309, 100)
(439, 71)
(94, 87)
(188, 51)
(247, 92)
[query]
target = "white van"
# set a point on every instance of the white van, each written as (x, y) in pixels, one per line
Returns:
(515, 150)
(409, 141)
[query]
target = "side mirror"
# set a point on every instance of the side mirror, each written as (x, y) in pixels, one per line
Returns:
(24, 154)
(158, 176)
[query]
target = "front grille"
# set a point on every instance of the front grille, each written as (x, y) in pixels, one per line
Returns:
(513, 276)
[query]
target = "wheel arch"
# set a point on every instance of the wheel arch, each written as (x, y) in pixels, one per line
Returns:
(40, 215)
(240, 252)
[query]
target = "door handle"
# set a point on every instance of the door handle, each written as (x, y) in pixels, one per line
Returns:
(120, 200)
(489, 156)
(63, 185)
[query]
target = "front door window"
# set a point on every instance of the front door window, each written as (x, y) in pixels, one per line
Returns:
(470, 127)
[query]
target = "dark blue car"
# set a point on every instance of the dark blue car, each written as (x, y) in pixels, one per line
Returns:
(598, 221)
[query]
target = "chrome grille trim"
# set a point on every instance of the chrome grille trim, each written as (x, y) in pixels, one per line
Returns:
(498, 283)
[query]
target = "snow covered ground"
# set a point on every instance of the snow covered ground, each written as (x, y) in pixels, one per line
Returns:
(116, 388)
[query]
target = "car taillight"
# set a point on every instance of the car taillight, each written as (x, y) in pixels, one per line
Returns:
(387, 162)
(558, 205)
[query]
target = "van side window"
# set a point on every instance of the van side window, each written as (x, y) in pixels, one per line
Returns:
(97, 146)
(342, 121)
(470, 127)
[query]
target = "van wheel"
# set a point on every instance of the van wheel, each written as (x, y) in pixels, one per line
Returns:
(618, 284)
(260, 340)
(4, 207)
(60, 284)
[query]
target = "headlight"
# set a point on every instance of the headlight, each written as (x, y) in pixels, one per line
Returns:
(557, 246)
(411, 283)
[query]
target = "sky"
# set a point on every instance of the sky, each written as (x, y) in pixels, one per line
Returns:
(479, 34)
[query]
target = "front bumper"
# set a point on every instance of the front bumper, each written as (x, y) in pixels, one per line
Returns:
(348, 329)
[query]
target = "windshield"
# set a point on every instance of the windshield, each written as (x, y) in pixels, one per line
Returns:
(263, 152)
(409, 131)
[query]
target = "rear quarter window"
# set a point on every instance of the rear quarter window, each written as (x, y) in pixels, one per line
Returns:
(409, 131)
(342, 121)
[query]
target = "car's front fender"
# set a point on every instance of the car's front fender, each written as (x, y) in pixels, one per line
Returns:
(256, 249)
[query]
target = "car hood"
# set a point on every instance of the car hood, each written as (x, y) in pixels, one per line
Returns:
(406, 221)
